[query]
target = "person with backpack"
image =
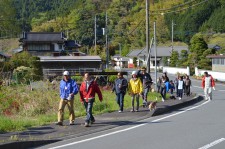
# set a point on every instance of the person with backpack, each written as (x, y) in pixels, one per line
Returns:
(120, 87)
(88, 89)
(68, 88)
(208, 84)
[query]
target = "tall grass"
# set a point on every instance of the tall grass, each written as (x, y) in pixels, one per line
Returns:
(21, 108)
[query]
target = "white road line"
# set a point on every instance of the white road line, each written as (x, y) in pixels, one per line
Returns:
(213, 143)
(127, 129)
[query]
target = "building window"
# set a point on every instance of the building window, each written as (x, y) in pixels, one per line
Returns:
(41, 47)
(222, 61)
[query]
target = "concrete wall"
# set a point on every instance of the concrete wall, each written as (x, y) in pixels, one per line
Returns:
(220, 76)
(218, 68)
(175, 70)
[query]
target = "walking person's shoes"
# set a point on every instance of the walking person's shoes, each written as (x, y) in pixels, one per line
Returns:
(132, 110)
(59, 123)
(163, 100)
(180, 98)
(72, 123)
(92, 121)
(86, 124)
(136, 110)
(120, 111)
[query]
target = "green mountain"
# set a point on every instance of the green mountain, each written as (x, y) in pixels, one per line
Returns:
(125, 20)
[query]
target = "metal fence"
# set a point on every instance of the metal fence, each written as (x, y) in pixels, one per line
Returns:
(58, 72)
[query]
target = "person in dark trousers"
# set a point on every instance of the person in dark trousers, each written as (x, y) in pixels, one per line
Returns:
(163, 88)
(159, 81)
(88, 89)
(176, 84)
(146, 82)
(180, 87)
(187, 83)
(120, 87)
(68, 88)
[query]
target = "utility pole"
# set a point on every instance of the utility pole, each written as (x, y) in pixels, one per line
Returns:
(95, 33)
(120, 55)
(147, 36)
(155, 55)
(172, 36)
(106, 39)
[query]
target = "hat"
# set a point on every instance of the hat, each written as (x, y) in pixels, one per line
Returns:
(66, 73)
(143, 68)
(134, 73)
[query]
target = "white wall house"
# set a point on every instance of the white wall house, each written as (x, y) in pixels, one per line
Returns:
(142, 55)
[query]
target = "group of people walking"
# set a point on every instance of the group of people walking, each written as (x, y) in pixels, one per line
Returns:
(138, 86)
(87, 90)
(181, 85)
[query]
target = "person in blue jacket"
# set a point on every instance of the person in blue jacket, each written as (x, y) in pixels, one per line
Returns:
(68, 88)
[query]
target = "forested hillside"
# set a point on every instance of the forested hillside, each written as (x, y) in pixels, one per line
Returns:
(125, 19)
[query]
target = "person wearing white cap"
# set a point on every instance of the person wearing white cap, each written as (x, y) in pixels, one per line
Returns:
(68, 88)
(135, 89)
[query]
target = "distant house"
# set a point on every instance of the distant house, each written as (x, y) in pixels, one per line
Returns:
(218, 62)
(55, 65)
(215, 47)
(142, 55)
(57, 54)
(4, 57)
(41, 43)
(121, 62)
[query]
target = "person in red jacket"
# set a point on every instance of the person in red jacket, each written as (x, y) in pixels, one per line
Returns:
(88, 89)
(207, 84)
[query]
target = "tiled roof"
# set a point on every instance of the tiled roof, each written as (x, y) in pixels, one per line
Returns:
(215, 56)
(161, 51)
(43, 36)
(69, 58)
(71, 44)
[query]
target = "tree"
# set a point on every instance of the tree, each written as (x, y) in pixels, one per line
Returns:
(183, 59)
(174, 59)
(28, 62)
(205, 63)
(197, 47)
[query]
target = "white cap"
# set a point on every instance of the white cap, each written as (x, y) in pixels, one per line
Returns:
(134, 72)
(66, 73)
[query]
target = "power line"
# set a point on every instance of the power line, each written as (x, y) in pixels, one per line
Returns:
(162, 13)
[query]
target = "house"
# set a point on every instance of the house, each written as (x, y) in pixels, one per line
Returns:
(121, 62)
(57, 54)
(218, 62)
(43, 43)
(162, 51)
(215, 47)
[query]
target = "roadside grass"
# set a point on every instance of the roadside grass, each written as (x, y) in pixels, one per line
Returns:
(21, 108)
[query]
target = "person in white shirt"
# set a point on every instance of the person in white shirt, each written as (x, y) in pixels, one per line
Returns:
(180, 87)
(207, 84)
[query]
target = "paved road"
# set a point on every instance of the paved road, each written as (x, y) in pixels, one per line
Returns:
(198, 126)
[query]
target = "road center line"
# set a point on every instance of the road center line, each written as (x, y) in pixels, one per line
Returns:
(213, 143)
(127, 129)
